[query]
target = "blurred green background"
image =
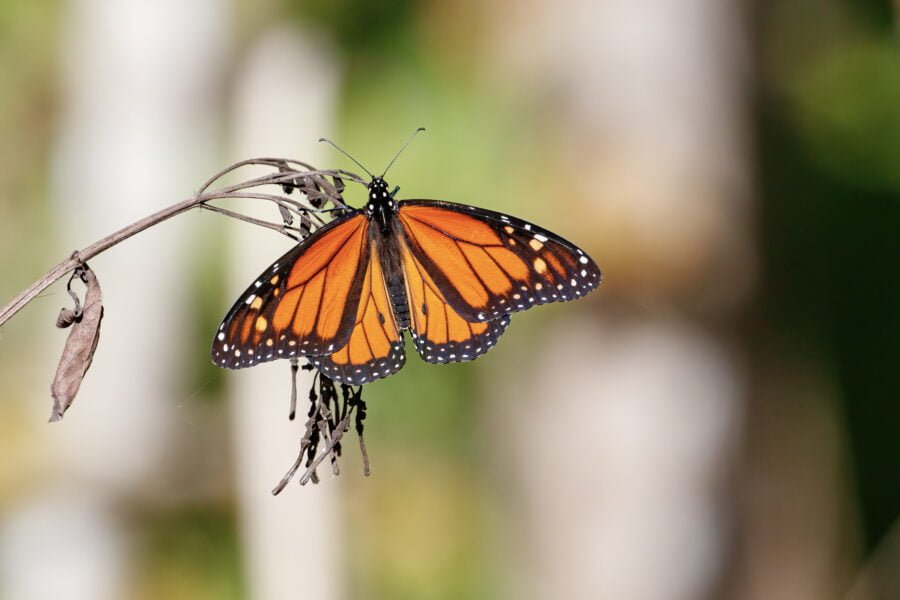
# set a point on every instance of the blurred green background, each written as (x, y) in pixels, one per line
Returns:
(719, 420)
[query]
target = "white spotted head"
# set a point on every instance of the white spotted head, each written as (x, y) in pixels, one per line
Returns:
(379, 196)
(381, 206)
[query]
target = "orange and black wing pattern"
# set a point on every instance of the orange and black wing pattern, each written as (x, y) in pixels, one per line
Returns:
(440, 334)
(305, 304)
(486, 264)
(375, 347)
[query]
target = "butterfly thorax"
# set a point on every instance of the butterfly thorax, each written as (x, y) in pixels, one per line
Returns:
(381, 206)
(381, 209)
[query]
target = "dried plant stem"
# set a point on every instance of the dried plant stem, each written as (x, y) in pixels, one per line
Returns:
(80, 256)
(367, 469)
(294, 233)
(295, 367)
(304, 444)
(329, 417)
(310, 181)
(335, 440)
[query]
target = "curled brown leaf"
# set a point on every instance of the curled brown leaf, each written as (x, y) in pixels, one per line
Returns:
(80, 345)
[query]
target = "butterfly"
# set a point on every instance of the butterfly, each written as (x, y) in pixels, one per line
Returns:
(450, 274)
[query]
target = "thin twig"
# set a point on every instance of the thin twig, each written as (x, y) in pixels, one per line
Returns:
(291, 232)
(199, 199)
(323, 426)
(307, 170)
(335, 440)
(295, 367)
(365, 456)
(304, 445)
(283, 176)
(61, 269)
(291, 205)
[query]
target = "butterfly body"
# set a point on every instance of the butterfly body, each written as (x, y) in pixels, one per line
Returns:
(383, 237)
(449, 274)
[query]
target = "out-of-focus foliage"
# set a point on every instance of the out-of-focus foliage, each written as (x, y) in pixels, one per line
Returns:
(29, 65)
(358, 27)
(839, 76)
(829, 156)
(192, 554)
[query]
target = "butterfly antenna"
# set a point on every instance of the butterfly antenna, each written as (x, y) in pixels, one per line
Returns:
(345, 153)
(402, 149)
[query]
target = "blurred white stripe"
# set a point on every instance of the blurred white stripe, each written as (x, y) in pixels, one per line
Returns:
(285, 99)
(138, 110)
(622, 434)
(137, 123)
(64, 544)
(623, 430)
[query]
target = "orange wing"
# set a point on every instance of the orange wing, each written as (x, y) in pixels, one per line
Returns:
(375, 348)
(440, 334)
(304, 304)
(486, 264)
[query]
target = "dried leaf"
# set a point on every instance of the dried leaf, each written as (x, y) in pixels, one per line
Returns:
(79, 349)
(288, 186)
(286, 215)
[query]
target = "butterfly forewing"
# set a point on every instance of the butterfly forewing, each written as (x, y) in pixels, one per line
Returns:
(304, 304)
(487, 264)
(375, 347)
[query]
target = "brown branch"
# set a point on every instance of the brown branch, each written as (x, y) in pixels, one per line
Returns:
(284, 176)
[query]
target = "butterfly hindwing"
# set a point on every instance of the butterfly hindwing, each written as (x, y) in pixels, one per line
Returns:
(487, 264)
(440, 334)
(375, 347)
(304, 304)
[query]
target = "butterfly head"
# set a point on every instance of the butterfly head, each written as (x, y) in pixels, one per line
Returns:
(380, 199)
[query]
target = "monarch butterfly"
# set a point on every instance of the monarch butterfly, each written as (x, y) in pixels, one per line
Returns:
(450, 274)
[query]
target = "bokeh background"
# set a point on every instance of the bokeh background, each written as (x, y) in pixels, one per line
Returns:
(719, 420)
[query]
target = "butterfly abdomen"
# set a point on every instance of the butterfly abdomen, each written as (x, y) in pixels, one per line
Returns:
(397, 293)
(388, 252)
